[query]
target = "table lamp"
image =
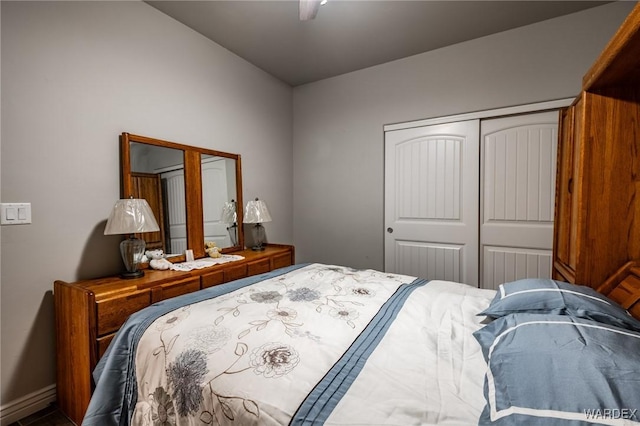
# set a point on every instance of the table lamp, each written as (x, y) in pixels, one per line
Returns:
(128, 217)
(257, 212)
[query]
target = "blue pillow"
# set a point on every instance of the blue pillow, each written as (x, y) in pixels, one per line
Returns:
(559, 370)
(537, 295)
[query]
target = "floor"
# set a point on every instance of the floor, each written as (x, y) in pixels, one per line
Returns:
(49, 416)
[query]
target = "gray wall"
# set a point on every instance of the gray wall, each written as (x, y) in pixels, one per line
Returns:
(338, 123)
(74, 76)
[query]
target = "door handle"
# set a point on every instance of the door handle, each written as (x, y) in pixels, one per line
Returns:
(390, 230)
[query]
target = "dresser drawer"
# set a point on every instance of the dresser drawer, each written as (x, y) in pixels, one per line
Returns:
(112, 313)
(258, 267)
(214, 278)
(282, 260)
(175, 288)
(235, 273)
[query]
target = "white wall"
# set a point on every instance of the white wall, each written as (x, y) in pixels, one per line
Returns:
(338, 122)
(74, 76)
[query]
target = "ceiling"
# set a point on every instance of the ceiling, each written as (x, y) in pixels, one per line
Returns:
(348, 35)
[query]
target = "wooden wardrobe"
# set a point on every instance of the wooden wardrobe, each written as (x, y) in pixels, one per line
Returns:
(597, 216)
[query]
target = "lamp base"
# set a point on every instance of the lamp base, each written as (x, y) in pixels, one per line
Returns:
(258, 237)
(132, 250)
(233, 234)
(130, 275)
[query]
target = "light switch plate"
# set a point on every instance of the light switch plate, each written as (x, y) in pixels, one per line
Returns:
(15, 213)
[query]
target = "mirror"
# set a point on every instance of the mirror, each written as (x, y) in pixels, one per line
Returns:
(218, 176)
(188, 188)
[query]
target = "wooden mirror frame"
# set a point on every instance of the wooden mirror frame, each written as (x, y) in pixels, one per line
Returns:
(193, 186)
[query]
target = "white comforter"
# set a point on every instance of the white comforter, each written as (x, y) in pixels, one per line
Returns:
(428, 370)
(345, 337)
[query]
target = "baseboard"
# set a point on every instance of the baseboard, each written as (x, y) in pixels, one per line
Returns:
(29, 404)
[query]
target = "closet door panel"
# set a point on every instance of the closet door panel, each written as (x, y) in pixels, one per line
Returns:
(176, 211)
(428, 259)
(431, 201)
(518, 168)
(504, 264)
(215, 194)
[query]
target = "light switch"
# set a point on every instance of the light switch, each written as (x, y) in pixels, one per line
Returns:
(15, 213)
(10, 213)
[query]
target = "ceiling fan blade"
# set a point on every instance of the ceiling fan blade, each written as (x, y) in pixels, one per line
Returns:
(309, 9)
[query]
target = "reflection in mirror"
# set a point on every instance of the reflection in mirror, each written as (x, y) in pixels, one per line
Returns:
(188, 188)
(157, 173)
(218, 188)
(230, 218)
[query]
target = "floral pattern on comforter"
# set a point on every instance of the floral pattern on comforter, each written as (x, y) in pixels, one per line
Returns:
(252, 355)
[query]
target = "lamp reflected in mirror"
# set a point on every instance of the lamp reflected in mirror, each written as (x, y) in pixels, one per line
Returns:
(230, 217)
(128, 217)
(257, 212)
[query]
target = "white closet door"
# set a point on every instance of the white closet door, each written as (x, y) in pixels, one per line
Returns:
(214, 195)
(432, 201)
(176, 214)
(518, 169)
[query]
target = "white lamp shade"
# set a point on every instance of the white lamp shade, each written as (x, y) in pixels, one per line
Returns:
(131, 216)
(229, 212)
(308, 9)
(256, 212)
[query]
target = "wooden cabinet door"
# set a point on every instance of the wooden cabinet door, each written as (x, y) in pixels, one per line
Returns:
(568, 188)
(576, 184)
(564, 183)
(148, 186)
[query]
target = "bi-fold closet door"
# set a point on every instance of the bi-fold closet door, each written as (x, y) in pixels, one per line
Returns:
(471, 201)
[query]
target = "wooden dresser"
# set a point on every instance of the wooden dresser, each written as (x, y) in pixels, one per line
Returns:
(89, 313)
(597, 223)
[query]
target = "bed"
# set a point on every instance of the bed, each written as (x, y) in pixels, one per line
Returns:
(327, 344)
